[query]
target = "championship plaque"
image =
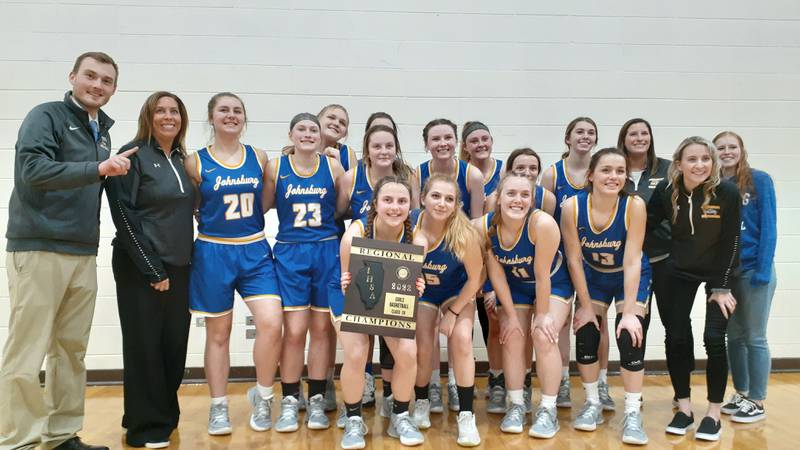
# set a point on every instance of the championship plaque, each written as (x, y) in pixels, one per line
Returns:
(382, 296)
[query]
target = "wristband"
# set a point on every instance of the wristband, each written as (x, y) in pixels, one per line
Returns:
(451, 310)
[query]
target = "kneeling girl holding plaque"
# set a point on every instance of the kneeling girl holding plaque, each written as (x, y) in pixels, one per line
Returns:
(387, 220)
(452, 269)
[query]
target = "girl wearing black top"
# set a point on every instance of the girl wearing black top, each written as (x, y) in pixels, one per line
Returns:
(704, 214)
(646, 171)
(152, 210)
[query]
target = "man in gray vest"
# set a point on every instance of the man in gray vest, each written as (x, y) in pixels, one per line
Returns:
(62, 156)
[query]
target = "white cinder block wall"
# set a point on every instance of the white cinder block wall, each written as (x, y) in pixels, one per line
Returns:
(524, 68)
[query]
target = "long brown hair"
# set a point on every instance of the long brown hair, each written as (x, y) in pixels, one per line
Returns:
(399, 166)
(212, 103)
(466, 130)
(743, 176)
(497, 217)
(571, 126)
(459, 235)
(527, 151)
(596, 160)
(652, 159)
(373, 210)
(676, 176)
(145, 130)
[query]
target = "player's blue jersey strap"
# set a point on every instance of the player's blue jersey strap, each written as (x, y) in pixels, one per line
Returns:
(306, 203)
(563, 186)
(461, 175)
(362, 223)
(603, 247)
(347, 157)
(538, 197)
(361, 194)
(490, 183)
(230, 197)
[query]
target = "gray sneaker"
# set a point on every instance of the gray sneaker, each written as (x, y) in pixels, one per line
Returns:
(301, 405)
(330, 396)
(527, 393)
(261, 416)
(354, 431)
(386, 407)
(288, 420)
(545, 423)
(452, 397)
(218, 421)
(514, 419)
(341, 418)
(422, 414)
(402, 427)
(633, 430)
(435, 396)
(497, 400)
(368, 397)
(563, 399)
(605, 398)
(590, 416)
(315, 413)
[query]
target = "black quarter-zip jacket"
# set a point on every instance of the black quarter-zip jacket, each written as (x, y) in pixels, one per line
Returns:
(705, 241)
(55, 203)
(152, 209)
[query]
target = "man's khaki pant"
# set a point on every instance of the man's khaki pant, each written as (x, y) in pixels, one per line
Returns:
(52, 303)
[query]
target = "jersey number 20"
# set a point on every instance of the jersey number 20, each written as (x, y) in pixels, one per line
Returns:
(239, 205)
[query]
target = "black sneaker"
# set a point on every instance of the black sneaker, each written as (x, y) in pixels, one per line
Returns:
(708, 429)
(733, 405)
(680, 424)
(749, 412)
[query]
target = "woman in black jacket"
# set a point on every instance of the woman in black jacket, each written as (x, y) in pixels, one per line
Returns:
(704, 214)
(646, 171)
(152, 209)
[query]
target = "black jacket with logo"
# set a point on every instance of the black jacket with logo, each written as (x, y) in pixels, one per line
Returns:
(705, 241)
(55, 203)
(656, 241)
(152, 209)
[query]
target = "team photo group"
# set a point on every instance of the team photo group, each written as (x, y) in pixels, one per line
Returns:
(540, 253)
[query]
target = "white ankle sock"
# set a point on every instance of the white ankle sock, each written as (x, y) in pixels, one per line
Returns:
(592, 394)
(516, 397)
(219, 400)
(548, 401)
(451, 376)
(564, 372)
(264, 392)
(604, 375)
(633, 401)
(436, 376)
(495, 373)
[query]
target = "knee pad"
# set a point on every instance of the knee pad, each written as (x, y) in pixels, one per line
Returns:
(587, 341)
(630, 358)
(386, 358)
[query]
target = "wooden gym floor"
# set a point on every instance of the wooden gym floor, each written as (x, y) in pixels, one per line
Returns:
(781, 429)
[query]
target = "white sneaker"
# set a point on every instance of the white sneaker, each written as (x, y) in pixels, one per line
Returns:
(368, 397)
(468, 435)
(161, 444)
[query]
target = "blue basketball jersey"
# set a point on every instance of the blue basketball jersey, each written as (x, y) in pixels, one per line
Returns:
(538, 197)
(604, 248)
(444, 274)
(461, 177)
(490, 184)
(306, 204)
(361, 194)
(517, 262)
(563, 187)
(230, 197)
(347, 157)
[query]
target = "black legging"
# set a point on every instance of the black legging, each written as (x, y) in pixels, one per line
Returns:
(659, 291)
(483, 318)
(675, 312)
